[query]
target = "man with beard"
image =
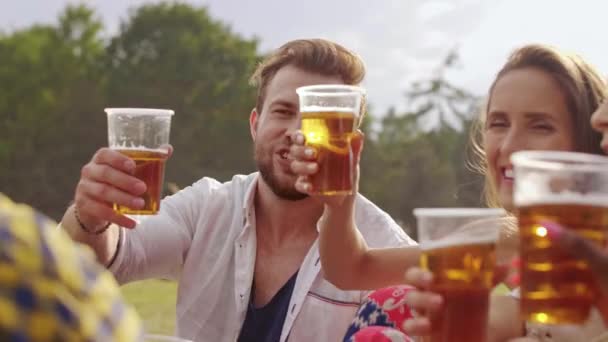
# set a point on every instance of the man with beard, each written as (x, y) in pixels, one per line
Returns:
(245, 251)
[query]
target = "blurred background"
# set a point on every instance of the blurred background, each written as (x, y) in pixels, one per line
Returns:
(429, 66)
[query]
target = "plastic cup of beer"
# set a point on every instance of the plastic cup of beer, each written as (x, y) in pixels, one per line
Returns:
(330, 116)
(142, 134)
(570, 189)
(458, 246)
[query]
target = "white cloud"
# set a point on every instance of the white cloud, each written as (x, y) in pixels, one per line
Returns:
(400, 40)
(571, 25)
(432, 9)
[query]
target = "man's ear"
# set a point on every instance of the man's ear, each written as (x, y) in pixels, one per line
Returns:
(253, 123)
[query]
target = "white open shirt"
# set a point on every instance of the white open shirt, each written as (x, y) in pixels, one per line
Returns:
(205, 237)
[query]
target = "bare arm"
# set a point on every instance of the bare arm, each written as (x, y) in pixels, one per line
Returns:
(157, 247)
(104, 245)
(107, 178)
(347, 261)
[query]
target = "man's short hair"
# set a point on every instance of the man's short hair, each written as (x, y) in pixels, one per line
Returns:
(313, 55)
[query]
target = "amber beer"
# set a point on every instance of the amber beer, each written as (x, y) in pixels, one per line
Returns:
(150, 168)
(330, 132)
(463, 271)
(556, 287)
(570, 189)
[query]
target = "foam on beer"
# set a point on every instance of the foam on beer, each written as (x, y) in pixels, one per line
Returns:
(458, 240)
(477, 232)
(139, 148)
(321, 109)
(528, 198)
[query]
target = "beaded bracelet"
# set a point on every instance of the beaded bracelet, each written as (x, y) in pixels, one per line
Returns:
(87, 230)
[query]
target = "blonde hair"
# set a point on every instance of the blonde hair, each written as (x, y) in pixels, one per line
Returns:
(582, 86)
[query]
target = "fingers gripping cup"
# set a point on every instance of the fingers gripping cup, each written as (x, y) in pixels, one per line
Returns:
(142, 134)
(570, 189)
(458, 245)
(330, 116)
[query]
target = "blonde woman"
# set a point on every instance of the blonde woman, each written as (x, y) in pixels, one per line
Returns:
(541, 99)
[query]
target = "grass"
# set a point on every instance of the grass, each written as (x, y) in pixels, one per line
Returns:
(154, 300)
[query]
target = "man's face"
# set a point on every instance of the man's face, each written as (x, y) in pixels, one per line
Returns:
(272, 127)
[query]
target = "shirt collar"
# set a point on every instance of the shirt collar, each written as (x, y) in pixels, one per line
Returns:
(248, 202)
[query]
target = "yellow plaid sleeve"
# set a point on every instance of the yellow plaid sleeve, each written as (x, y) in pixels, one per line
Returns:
(52, 289)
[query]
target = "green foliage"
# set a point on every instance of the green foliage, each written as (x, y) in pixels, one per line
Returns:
(49, 96)
(408, 165)
(176, 56)
(56, 79)
(154, 301)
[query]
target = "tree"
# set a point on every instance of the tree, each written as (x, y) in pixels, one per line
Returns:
(175, 56)
(56, 79)
(418, 158)
(439, 103)
(49, 98)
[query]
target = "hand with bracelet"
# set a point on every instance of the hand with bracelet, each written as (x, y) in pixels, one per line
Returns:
(107, 179)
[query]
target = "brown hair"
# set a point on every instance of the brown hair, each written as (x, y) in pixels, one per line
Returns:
(314, 55)
(583, 88)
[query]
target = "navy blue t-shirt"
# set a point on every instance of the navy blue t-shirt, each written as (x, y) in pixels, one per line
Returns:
(264, 324)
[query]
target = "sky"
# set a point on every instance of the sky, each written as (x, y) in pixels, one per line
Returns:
(401, 41)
